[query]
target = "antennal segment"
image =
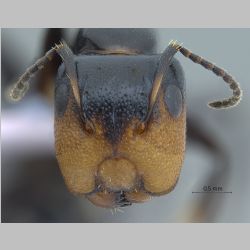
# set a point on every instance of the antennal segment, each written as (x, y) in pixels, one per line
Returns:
(237, 92)
(22, 85)
(68, 58)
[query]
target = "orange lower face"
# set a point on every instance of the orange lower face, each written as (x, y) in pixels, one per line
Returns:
(141, 165)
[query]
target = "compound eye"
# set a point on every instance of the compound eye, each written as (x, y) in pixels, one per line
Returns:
(173, 99)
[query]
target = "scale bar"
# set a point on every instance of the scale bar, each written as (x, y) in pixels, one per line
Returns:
(211, 192)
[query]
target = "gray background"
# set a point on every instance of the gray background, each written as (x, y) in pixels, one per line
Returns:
(27, 132)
